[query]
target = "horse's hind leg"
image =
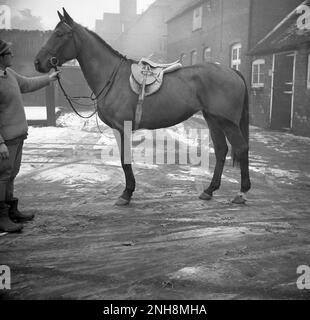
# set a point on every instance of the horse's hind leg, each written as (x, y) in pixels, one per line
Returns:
(220, 149)
(124, 145)
(241, 153)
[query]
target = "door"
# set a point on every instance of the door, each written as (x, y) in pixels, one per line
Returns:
(283, 84)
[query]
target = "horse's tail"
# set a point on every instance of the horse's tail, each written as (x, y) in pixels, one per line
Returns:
(244, 121)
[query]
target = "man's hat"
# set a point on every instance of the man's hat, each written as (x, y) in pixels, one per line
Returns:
(4, 46)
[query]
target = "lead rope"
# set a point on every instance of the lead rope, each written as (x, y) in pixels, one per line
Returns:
(108, 85)
(92, 97)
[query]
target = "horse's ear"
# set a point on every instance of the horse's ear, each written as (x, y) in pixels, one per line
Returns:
(68, 19)
(61, 17)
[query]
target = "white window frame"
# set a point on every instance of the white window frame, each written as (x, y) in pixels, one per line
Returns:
(259, 63)
(194, 54)
(209, 5)
(205, 57)
(308, 75)
(235, 62)
(197, 18)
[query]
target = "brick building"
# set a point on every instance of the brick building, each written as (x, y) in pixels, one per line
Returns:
(113, 25)
(147, 36)
(281, 74)
(224, 31)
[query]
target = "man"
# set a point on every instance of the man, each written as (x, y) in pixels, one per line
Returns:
(13, 131)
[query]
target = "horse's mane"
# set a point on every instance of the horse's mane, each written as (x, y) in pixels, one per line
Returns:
(102, 42)
(106, 44)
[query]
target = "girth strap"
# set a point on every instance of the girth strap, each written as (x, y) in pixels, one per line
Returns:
(141, 99)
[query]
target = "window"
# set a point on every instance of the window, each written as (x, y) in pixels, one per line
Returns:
(197, 18)
(236, 56)
(193, 57)
(308, 78)
(258, 73)
(209, 6)
(206, 55)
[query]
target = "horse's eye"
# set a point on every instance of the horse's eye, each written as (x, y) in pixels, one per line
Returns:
(58, 33)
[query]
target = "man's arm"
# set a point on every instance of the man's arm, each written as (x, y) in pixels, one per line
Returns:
(29, 84)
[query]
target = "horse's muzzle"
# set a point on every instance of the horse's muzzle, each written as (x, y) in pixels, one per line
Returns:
(37, 65)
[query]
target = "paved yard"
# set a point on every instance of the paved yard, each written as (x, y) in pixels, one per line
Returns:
(167, 244)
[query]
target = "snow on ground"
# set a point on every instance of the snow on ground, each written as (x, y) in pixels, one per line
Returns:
(37, 112)
(74, 149)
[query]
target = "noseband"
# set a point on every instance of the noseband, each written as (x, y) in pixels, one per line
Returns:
(53, 60)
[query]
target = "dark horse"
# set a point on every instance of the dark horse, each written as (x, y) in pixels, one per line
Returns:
(219, 92)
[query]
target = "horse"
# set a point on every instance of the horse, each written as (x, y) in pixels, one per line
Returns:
(219, 92)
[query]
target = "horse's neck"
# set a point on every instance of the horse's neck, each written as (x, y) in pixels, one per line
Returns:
(96, 60)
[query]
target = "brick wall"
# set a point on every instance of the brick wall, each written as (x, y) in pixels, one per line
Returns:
(224, 24)
(261, 98)
(230, 22)
(266, 14)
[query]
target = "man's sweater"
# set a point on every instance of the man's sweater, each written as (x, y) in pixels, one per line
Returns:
(13, 122)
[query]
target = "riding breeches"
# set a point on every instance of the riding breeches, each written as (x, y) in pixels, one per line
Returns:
(9, 169)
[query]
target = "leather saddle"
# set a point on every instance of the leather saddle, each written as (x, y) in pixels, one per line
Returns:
(146, 78)
(150, 74)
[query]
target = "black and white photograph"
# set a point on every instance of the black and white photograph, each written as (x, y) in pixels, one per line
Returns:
(155, 150)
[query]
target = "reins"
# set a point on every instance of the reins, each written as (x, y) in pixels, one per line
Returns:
(96, 99)
(100, 97)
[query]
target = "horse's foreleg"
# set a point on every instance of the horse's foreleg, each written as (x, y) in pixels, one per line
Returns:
(124, 144)
(220, 149)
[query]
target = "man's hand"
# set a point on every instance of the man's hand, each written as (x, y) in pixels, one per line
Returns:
(54, 75)
(4, 152)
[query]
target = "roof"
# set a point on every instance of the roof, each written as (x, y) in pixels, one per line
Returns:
(287, 35)
(187, 7)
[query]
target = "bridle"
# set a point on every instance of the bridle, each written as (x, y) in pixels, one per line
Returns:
(54, 61)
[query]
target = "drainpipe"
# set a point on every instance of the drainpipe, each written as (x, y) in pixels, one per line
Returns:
(222, 25)
(249, 44)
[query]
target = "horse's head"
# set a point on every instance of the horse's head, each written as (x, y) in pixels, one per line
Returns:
(60, 47)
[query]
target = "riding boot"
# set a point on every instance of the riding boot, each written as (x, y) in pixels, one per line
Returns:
(6, 224)
(15, 214)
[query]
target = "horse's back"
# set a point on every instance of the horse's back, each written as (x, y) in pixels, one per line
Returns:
(212, 88)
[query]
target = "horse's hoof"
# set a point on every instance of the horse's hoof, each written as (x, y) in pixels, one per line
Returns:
(239, 199)
(122, 202)
(205, 196)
